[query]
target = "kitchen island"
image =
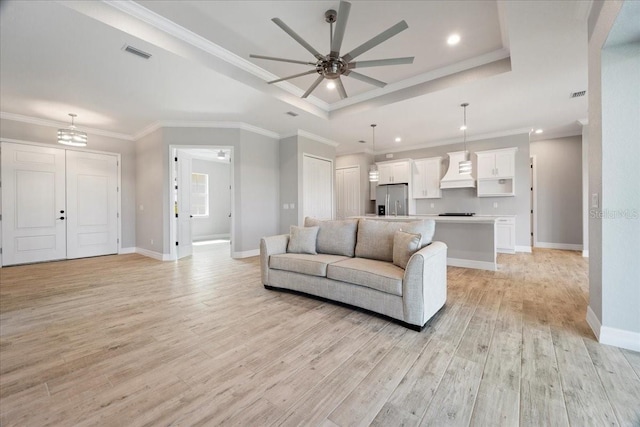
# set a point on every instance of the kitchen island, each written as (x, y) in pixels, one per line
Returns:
(471, 240)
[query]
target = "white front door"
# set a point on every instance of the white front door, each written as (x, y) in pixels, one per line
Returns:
(33, 200)
(92, 201)
(317, 188)
(184, 168)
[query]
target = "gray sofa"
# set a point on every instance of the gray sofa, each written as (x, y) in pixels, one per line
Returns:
(391, 268)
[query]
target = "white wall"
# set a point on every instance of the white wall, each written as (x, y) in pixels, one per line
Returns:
(218, 223)
(43, 134)
(559, 192)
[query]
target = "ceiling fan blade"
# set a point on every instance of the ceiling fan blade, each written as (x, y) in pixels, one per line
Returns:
(341, 26)
(383, 36)
(272, 58)
(297, 38)
(365, 79)
(381, 62)
(293, 77)
(313, 86)
(340, 87)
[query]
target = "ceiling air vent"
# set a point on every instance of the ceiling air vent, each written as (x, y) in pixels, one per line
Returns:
(137, 52)
(292, 114)
(578, 94)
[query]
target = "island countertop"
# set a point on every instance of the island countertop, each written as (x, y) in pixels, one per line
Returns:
(483, 219)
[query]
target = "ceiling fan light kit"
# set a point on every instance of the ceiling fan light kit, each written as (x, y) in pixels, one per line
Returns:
(333, 66)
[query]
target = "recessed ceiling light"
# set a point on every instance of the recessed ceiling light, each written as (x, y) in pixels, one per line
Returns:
(398, 139)
(538, 131)
(453, 39)
(331, 85)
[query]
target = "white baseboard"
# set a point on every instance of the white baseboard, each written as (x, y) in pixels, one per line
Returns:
(613, 336)
(585, 253)
(154, 255)
(526, 249)
(127, 251)
(562, 246)
(467, 263)
(246, 254)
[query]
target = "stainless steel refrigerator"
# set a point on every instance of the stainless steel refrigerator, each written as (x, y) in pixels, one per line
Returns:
(392, 199)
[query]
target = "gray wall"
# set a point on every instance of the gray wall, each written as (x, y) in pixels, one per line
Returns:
(288, 183)
(466, 200)
(255, 182)
(559, 190)
(150, 183)
(292, 151)
(363, 160)
(218, 223)
(614, 226)
(48, 135)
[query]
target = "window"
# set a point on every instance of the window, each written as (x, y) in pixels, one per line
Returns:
(199, 194)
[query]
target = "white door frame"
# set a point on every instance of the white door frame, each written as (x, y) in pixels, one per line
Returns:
(534, 201)
(301, 187)
(173, 253)
(39, 144)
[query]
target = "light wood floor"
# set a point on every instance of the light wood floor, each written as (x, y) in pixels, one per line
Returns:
(127, 340)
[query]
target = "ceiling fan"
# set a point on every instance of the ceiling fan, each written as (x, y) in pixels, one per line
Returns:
(334, 65)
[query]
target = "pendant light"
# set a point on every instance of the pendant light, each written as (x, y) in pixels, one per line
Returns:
(71, 135)
(464, 167)
(374, 174)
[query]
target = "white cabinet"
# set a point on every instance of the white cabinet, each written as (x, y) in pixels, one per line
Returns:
(506, 235)
(397, 172)
(496, 172)
(426, 178)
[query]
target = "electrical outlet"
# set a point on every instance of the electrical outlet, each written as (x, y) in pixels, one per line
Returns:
(432, 205)
(495, 205)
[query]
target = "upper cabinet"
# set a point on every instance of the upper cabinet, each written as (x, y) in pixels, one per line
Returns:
(426, 178)
(397, 172)
(496, 172)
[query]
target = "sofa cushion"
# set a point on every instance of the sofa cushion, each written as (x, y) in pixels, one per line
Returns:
(313, 265)
(404, 245)
(302, 240)
(335, 237)
(381, 276)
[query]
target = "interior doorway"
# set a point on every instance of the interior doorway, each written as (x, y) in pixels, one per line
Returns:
(201, 199)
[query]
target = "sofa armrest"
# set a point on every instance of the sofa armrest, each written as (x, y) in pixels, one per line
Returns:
(271, 245)
(424, 286)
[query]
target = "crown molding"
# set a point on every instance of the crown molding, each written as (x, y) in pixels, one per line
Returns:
(555, 135)
(57, 124)
(309, 135)
(206, 124)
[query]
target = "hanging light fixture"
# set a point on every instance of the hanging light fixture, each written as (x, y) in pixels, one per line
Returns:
(71, 135)
(374, 174)
(221, 155)
(464, 167)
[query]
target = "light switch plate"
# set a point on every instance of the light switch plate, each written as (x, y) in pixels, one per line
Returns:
(292, 206)
(495, 205)
(285, 206)
(594, 200)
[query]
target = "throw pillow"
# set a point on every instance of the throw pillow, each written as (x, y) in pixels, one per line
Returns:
(302, 240)
(335, 237)
(404, 245)
(426, 228)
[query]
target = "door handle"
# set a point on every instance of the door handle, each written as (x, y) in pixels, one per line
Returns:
(61, 217)
(61, 211)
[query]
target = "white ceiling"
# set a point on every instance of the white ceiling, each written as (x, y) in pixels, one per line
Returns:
(516, 65)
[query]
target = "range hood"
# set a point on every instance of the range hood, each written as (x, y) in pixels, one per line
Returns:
(453, 179)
